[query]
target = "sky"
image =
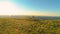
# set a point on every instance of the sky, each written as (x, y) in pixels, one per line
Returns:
(30, 7)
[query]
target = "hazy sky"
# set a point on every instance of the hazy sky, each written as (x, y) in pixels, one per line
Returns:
(30, 7)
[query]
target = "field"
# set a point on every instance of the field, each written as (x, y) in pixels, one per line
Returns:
(29, 26)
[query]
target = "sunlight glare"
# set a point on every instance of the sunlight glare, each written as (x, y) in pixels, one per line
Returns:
(7, 8)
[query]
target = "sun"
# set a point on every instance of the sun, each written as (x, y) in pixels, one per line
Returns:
(7, 8)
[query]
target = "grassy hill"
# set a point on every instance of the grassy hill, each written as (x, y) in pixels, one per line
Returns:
(26, 25)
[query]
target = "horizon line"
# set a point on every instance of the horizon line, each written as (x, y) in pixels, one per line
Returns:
(29, 15)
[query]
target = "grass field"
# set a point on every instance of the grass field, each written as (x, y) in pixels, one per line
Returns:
(29, 26)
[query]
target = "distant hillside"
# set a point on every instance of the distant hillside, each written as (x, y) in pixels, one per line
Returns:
(39, 17)
(48, 17)
(36, 17)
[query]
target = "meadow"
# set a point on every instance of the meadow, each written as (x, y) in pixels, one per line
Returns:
(29, 26)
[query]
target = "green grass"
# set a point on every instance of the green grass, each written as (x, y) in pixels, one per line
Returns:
(29, 26)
